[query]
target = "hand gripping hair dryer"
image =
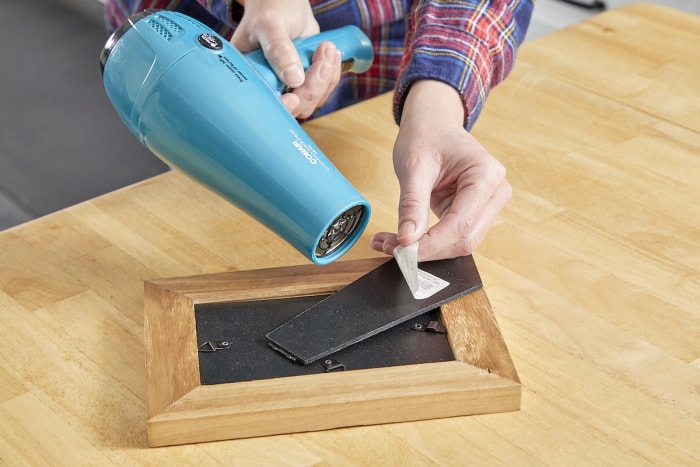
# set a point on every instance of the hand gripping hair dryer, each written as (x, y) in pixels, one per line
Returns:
(204, 108)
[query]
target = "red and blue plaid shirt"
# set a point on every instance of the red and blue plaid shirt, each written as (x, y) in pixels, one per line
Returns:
(469, 44)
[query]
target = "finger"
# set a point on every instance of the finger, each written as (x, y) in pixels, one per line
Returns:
(244, 41)
(384, 242)
(278, 49)
(291, 102)
(321, 79)
(416, 178)
(280, 53)
(475, 189)
(284, 61)
(430, 247)
(336, 68)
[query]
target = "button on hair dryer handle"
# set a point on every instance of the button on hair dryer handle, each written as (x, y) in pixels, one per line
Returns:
(355, 47)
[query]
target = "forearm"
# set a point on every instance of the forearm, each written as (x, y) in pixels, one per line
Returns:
(470, 46)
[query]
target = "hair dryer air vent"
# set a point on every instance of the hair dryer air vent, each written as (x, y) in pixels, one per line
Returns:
(165, 26)
(341, 229)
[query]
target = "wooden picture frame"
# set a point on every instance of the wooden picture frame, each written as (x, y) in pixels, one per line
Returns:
(481, 379)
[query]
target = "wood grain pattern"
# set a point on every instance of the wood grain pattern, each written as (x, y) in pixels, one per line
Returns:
(480, 380)
(481, 343)
(322, 402)
(592, 270)
(173, 333)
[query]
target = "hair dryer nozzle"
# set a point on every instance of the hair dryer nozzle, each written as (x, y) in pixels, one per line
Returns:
(341, 229)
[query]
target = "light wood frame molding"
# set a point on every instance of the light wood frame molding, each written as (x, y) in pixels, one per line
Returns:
(482, 378)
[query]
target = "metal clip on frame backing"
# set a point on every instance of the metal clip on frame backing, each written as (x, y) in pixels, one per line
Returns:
(213, 346)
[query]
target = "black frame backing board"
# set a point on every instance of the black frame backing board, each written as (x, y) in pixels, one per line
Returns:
(247, 357)
(375, 302)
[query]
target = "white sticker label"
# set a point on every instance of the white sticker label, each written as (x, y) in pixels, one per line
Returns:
(421, 283)
(429, 285)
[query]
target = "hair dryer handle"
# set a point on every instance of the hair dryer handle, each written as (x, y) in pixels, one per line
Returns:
(356, 49)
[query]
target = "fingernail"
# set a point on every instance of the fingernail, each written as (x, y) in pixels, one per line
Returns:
(329, 53)
(406, 229)
(293, 76)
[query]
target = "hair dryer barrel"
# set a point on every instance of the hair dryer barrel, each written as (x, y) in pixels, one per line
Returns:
(199, 105)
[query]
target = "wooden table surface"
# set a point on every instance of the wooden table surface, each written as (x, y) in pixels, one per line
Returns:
(593, 271)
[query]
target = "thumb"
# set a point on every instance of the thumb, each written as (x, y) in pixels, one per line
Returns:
(243, 40)
(278, 49)
(281, 54)
(414, 205)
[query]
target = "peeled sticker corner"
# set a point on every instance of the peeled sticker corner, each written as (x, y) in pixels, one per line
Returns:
(421, 283)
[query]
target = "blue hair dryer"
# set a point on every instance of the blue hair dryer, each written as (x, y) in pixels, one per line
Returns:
(204, 108)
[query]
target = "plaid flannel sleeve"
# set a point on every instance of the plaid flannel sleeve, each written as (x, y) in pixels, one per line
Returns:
(220, 15)
(468, 44)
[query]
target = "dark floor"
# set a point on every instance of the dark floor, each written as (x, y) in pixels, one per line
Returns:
(60, 140)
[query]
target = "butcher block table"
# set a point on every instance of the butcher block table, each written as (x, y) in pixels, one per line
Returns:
(592, 270)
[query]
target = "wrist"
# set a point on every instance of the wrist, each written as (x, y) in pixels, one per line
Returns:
(435, 100)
